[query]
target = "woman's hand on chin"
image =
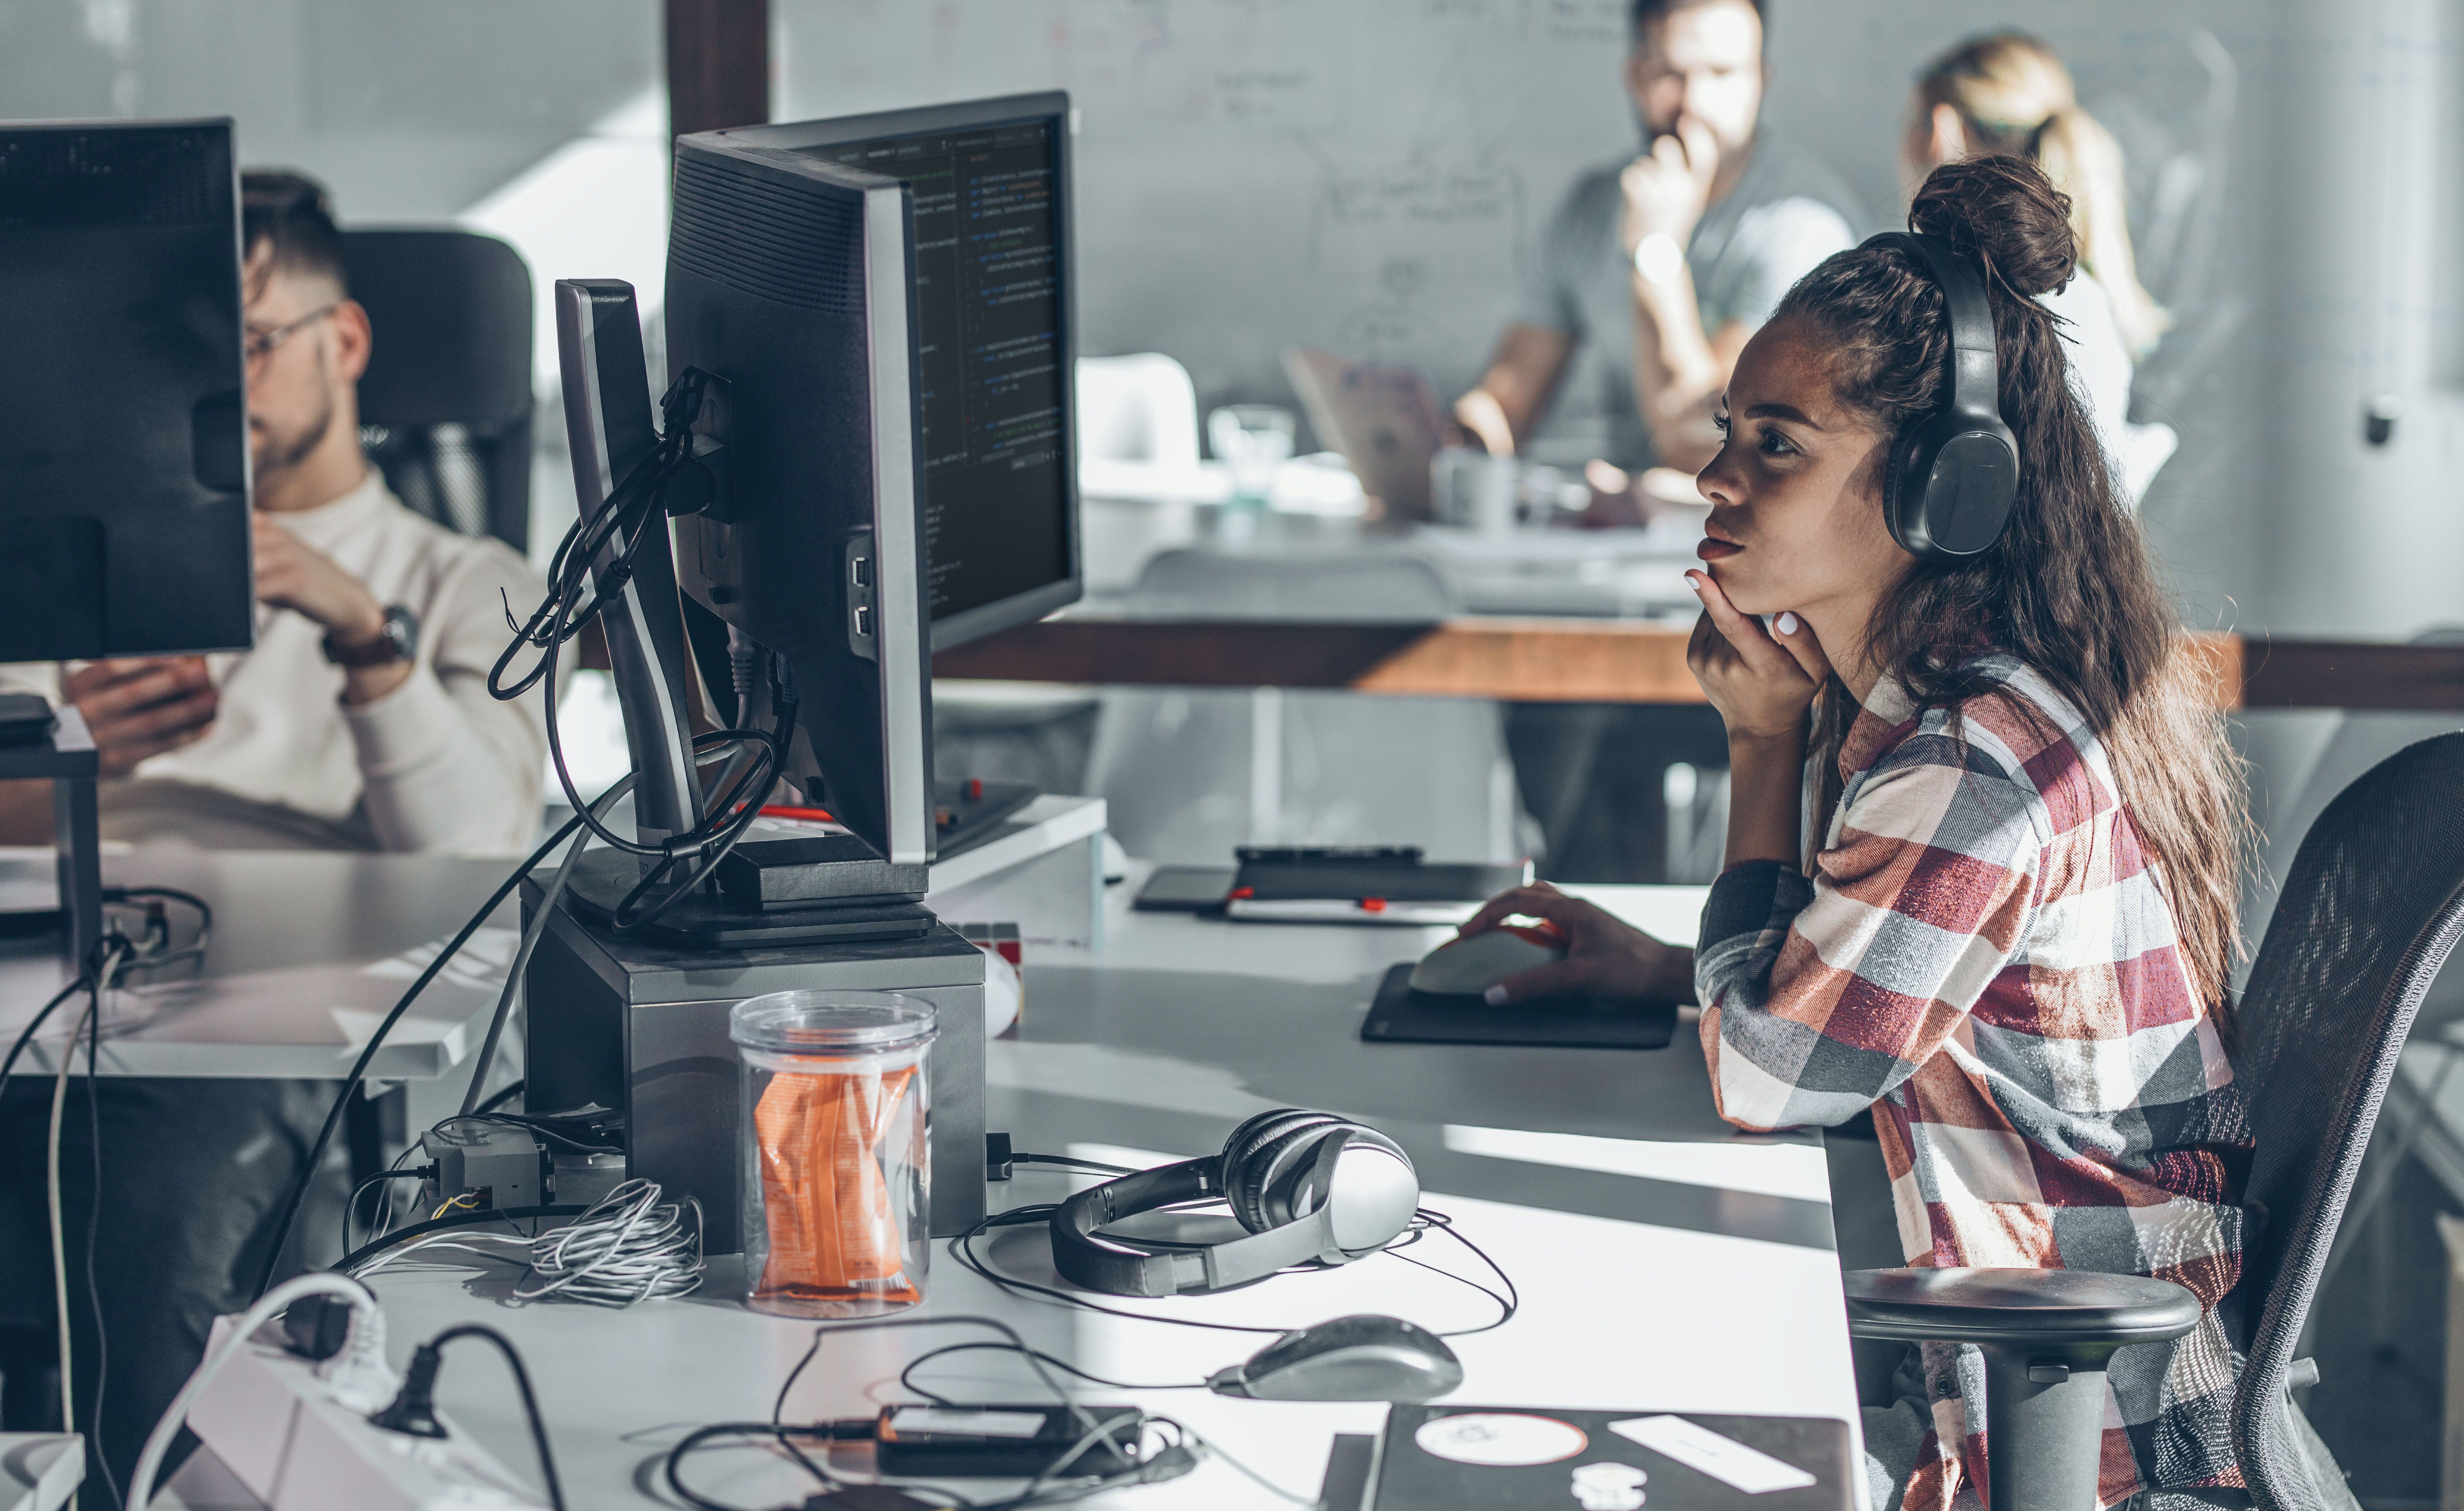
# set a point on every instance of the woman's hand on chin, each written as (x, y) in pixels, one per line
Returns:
(1761, 683)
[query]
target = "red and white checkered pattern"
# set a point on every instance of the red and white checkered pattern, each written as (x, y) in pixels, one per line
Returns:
(1986, 957)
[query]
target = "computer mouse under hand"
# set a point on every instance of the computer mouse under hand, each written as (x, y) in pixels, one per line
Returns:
(1470, 965)
(1364, 1358)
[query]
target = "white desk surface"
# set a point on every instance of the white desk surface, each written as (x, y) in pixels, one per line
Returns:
(283, 994)
(1664, 1263)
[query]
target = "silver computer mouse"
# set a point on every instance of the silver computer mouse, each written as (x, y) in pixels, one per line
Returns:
(1363, 1358)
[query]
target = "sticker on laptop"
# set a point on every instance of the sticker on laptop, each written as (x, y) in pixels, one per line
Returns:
(1703, 1450)
(1608, 1487)
(1501, 1439)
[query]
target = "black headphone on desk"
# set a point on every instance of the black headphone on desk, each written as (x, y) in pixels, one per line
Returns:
(1310, 1187)
(1953, 476)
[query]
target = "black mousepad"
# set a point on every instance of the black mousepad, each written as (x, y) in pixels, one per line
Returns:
(1402, 1016)
(1409, 1475)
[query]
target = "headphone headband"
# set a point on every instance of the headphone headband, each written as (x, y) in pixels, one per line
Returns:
(1975, 379)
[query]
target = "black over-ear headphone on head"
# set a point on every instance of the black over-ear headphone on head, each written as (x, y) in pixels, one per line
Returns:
(1310, 1187)
(1953, 476)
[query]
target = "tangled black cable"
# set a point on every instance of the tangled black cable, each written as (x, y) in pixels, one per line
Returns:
(907, 1376)
(735, 811)
(301, 1184)
(1169, 1461)
(580, 585)
(154, 951)
(132, 955)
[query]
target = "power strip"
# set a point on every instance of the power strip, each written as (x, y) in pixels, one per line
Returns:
(273, 1419)
(39, 1470)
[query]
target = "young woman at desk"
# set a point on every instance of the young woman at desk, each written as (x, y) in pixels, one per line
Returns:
(2011, 940)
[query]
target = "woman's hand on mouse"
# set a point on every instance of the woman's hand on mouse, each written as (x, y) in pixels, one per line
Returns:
(1605, 955)
(1761, 683)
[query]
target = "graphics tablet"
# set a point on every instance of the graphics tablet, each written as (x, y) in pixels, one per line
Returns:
(1402, 1016)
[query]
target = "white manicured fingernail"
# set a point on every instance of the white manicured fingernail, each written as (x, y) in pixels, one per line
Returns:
(1494, 997)
(1693, 581)
(1787, 623)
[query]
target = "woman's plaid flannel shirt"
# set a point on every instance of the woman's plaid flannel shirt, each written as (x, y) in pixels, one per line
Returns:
(1987, 958)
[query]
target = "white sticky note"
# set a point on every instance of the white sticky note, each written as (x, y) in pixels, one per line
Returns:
(1723, 1458)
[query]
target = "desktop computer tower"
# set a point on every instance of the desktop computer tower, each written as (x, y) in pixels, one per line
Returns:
(641, 1027)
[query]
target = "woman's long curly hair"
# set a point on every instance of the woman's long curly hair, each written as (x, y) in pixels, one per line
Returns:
(2069, 589)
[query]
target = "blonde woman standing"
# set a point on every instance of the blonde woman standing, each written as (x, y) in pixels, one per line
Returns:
(2008, 92)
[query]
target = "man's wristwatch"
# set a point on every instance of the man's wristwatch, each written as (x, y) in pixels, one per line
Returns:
(1659, 260)
(396, 640)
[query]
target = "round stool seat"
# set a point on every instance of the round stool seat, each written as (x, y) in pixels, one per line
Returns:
(2054, 1308)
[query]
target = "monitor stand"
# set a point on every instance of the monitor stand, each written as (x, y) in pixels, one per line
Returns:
(68, 758)
(717, 919)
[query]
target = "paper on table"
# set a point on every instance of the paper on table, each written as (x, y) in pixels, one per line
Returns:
(353, 997)
(1723, 1458)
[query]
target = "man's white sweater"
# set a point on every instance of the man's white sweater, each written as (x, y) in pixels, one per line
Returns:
(435, 765)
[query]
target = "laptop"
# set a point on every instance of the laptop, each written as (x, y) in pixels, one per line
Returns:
(1386, 421)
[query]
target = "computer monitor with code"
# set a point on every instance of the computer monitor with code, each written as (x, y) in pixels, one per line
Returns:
(990, 181)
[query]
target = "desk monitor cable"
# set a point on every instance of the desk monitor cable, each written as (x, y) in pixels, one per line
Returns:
(351, 1083)
(115, 955)
(638, 505)
(147, 953)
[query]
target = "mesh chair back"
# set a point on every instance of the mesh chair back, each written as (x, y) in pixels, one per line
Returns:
(2371, 908)
(444, 406)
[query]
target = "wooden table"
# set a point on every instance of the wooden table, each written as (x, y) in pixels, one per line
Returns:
(1594, 661)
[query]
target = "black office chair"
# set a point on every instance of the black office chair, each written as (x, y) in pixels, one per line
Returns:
(2372, 906)
(444, 406)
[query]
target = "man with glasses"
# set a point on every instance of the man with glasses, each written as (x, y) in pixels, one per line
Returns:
(360, 719)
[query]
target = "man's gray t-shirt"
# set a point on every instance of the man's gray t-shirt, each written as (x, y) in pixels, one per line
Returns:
(1787, 213)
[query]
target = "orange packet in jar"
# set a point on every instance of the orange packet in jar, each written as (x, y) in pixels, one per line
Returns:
(834, 1227)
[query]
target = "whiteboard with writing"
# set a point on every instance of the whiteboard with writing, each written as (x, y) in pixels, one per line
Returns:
(1368, 176)
(1365, 176)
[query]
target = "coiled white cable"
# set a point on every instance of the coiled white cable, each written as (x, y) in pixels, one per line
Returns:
(630, 1247)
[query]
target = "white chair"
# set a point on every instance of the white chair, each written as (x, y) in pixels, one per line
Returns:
(1189, 774)
(2142, 454)
(1140, 408)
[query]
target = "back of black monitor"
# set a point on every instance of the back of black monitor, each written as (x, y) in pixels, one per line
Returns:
(124, 431)
(995, 319)
(791, 283)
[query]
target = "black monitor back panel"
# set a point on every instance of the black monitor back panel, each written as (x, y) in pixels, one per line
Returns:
(124, 431)
(995, 338)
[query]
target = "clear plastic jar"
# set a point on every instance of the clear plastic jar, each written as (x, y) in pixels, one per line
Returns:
(837, 1188)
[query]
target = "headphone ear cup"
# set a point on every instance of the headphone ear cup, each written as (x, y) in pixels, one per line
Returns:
(1905, 473)
(1373, 1188)
(1290, 1170)
(1953, 481)
(1248, 1160)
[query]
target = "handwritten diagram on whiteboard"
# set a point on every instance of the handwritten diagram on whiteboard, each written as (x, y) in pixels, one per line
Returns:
(1365, 176)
